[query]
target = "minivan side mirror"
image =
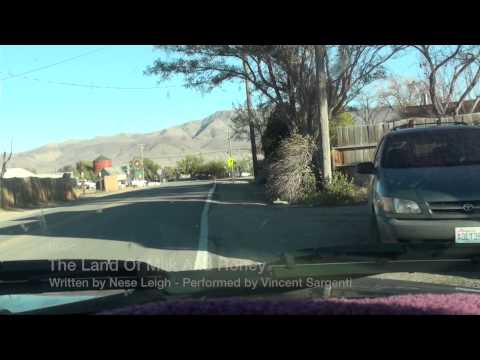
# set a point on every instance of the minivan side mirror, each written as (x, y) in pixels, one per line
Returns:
(365, 168)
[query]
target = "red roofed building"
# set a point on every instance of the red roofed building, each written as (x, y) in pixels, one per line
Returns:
(101, 163)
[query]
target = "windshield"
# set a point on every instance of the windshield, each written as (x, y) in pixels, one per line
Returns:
(214, 166)
(432, 148)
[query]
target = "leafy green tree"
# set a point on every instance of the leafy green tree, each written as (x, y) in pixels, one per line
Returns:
(191, 165)
(276, 130)
(85, 167)
(214, 168)
(151, 169)
(279, 74)
(66, 168)
(169, 173)
(244, 165)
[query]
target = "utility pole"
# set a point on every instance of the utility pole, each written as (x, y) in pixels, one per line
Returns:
(230, 151)
(320, 54)
(141, 159)
(229, 143)
(3, 170)
(250, 120)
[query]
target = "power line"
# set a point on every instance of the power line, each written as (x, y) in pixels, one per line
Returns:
(94, 86)
(54, 64)
(74, 84)
(196, 153)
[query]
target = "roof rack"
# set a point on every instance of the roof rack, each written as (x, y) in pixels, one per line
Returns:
(411, 126)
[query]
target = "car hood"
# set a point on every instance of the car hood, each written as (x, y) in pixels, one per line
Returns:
(452, 183)
(18, 303)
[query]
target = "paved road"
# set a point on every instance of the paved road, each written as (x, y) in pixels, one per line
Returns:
(178, 226)
(243, 225)
(185, 226)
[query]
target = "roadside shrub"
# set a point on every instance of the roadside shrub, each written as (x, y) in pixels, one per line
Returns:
(340, 191)
(290, 177)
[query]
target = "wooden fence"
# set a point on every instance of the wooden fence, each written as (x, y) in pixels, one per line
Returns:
(354, 144)
(31, 192)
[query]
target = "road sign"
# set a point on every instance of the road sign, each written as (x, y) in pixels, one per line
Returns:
(137, 164)
(230, 163)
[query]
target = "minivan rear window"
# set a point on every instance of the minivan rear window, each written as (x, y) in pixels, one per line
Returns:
(432, 148)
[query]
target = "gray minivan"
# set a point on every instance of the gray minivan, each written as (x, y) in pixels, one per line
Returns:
(425, 185)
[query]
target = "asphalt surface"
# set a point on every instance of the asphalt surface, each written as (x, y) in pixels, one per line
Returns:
(160, 225)
(244, 225)
(189, 225)
(178, 226)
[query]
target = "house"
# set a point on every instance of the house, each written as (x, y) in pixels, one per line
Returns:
(375, 115)
(18, 173)
(23, 173)
(54, 175)
(468, 107)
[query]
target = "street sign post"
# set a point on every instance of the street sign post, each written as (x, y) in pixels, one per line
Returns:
(231, 166)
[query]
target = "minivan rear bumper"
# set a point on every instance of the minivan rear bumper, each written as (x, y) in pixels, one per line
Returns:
(393, 230)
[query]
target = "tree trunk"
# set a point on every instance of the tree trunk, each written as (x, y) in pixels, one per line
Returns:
(320, 53)
(1, 192)
(251, 124)
(474, 106)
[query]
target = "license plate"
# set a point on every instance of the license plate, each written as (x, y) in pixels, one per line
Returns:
(467, 235)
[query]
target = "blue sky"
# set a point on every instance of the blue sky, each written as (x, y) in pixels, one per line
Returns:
(34, 112)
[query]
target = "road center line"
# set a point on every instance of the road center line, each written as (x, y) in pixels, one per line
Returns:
(201, 261)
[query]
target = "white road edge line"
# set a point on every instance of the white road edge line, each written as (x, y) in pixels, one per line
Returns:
(201, 261)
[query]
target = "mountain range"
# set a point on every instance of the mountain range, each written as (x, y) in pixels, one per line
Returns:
(207, 137)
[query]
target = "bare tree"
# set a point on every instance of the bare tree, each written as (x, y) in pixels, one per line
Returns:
(5, 160)
(471, 77)
(352, 67)
(444, 67)
(371, 109)
(399, 94)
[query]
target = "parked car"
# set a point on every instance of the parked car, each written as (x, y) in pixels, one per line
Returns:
(139, 183)
(202, 177)
(425, 185)
(89, 185)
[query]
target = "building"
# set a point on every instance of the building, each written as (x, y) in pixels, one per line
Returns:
(100, 163)
(23, 173)
(112, 179)
(59, 175)
(18, 173)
